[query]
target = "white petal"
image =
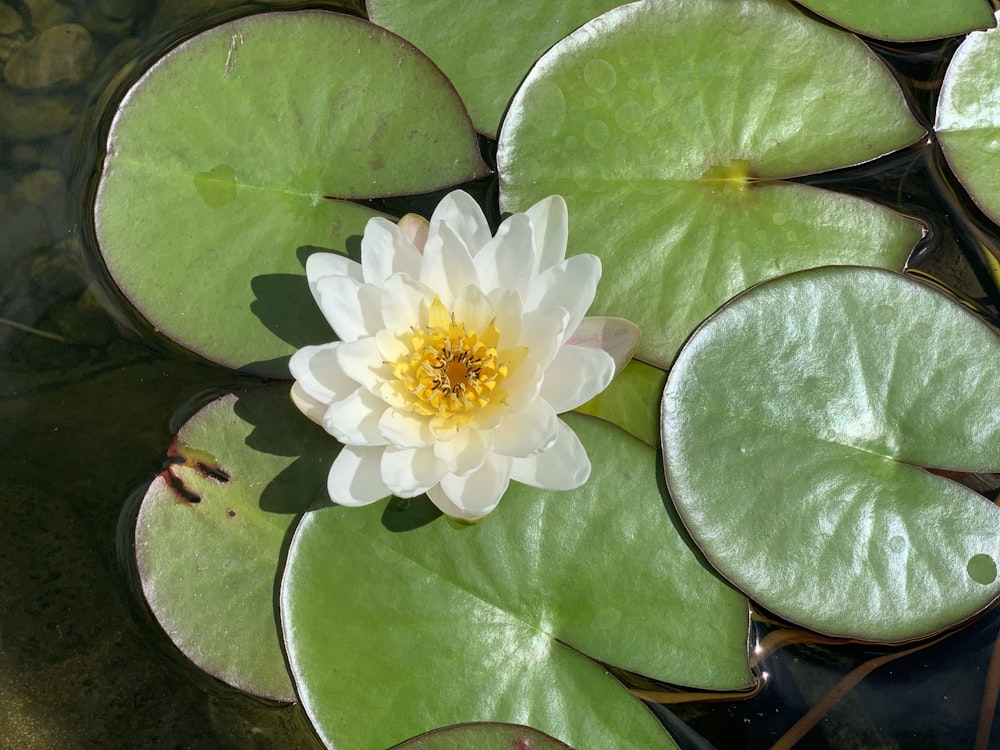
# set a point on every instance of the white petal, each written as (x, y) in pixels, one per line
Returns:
(523, 385)
(361, 361)
(392, 344)
(617, 336)
(460, 211)
(564, 466)
(507, 305)
(351, 308)
(354, 420)
(317, 371)
(576, 375)
(530, 430)
(405, 430)
(447, 266)
(385, 250)
(508, 260)
(474, 309)
(475, 495)
(311, 407)
(405, 302)
(466, 451)
(319, 265)
(411, 471)
(543, 331)
(550, 230)
(569, 285)
(355, 477)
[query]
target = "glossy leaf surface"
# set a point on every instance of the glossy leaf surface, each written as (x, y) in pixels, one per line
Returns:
(666, 125)
(397, 622)
(796, 425)
(485, 46)
(906, 21)
(632, 401)
(213, 528)
(228, 162)
(968, 118)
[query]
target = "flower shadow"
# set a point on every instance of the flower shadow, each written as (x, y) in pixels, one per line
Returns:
(284, 305)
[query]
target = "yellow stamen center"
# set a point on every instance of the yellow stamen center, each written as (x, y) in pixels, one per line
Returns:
(450, 370)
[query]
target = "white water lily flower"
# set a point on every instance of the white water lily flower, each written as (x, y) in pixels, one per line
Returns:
(457, 350)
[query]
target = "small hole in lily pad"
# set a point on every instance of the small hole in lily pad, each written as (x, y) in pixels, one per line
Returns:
(982, 569)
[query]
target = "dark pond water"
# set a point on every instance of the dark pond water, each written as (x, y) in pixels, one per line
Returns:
(88, 398)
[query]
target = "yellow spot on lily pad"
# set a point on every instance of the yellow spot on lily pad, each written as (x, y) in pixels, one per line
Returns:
(217, 187)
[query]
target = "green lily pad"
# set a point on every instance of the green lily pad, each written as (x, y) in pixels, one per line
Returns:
(213, 528)
(670, 160)
(397, 622)
(485, 46)
(238, 153)
(484, 736)
(631, 401)
(797, 423)
(968, 118)
(908, 20)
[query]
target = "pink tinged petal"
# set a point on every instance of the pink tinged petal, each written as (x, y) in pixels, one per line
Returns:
(576, 375)
(319, 265)
(474, 309)
(415, 227)
(361, 361)
(447, 266)
(409, 472)
(530, 430)
(461, 212)
(318, 373)
(385, 250)
(354, 477)
(354, 420)
(473, 496)
(543, 332)
(311, 407)
(508, 260)
(351, 308)
(403, 429)
(617, 336)
(405, 302)
(550, 225)
(466, 452)
(570, 285)
(564, 466)
(507, 304)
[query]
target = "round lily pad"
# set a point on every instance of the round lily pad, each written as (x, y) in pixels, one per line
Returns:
(498, 42)
(968, 118)
(239, 153)
(668, 127)
(213, 528)
(908, 20)
(799, 423)
(397, 622)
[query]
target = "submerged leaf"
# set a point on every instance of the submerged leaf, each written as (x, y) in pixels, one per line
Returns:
(797, 423)
(484, 736)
